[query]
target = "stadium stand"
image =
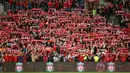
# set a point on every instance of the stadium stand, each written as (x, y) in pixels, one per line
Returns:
(63, 31)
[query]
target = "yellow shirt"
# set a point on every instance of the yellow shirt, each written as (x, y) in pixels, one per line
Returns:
(85, 58)
(94, 12)
(96, 58)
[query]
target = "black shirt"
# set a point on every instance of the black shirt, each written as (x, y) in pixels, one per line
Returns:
(0, 64)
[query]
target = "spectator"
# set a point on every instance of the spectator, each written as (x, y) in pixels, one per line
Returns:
(57, 4)
(1, 68)
(20, 58)
(90, 58)
(45, 58)
(128, 58)
(29, 58)
(85, 58)
(29, 5)
(81, 58)
(123, 58)
(61, 58)
(21, 5)
(58, 35)
(107, 58)
(10, 2)
(25, 4)
(50, 58)
(56, 59)
(17, 5)
(34, 57)
(94, 11)
(15, 58)
(24, 49)
(65, 5)
(96, 58)
(24, 58)
(40, 58)
(50, 4)
(6, 58)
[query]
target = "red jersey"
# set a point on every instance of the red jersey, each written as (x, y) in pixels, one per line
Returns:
(116, 59)
(10, 1)
(123, 58)
(65, 4)
(120, 6)
(54, 47)
(81, 58)
(70, 1)
(103, 57)
(111, 59)
(10, 58)
(71, 59)
(107, 59)
(50, 4)
(45, 58)
(69, 5)
(15, 59)
(57, 4)
(6, 58)
(24, 59)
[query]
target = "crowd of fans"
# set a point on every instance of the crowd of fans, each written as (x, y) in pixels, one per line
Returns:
(44, 4)
(33, 35)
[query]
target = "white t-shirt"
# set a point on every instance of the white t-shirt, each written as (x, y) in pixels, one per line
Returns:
(56, 59)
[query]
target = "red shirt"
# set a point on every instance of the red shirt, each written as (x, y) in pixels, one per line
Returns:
(123, 58)
(70, 1)
(45, 58)
(10, 1)
(71, 59)
(111, 59)
(120, 6)
(69, 5)
(15, 59)
(6, 58)
(62, 51)
(24, 59)
(49, 4)
(103, 57)
(116, 59)
(81, 58)
(54, 47)
(107, 59)
(65, 4)
(10, 59)
(57, 4)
